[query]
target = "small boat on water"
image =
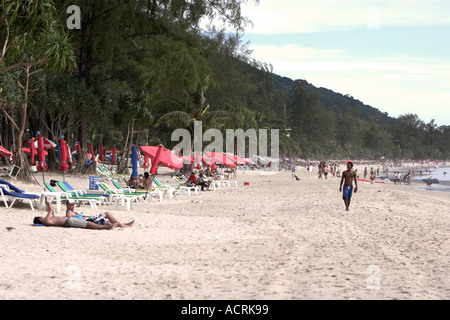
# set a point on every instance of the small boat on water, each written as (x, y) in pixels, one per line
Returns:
(430, 181)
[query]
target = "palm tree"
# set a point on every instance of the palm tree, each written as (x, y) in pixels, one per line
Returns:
(185, 114)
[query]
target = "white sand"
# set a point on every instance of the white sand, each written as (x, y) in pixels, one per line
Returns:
(274, 239)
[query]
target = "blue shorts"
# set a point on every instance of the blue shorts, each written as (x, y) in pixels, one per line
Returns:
(347, 193)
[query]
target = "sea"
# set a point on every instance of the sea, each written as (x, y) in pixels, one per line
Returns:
(417, 182)
(438, 173)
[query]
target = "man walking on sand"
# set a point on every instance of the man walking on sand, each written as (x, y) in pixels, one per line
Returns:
(348, 176)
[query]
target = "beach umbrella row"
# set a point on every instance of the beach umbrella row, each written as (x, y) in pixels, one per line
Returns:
(211, 158)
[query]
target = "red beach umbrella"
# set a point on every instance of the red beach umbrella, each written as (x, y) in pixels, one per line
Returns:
(42, 165)
(41, 155)
(48, 144)
(64, 166)
(4, 152)
(187, 159)
(29, 151)
(239, 159)
(161, 156)
(77, 147)
(33, 152)
(69, 154)
(221, 158)
(101, 151)
(146, 161)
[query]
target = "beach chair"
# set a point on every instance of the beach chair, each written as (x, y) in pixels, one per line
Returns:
(182, 187)
(120, 187)
(82, 193)
(105, 172)
(229, 182)
(136, 196)
(11, 172)
(92, 201)
(153, 192)
(112, 172)
(102, 173)
(10, 194)
(224, 183)
(164, 187)
(71, 189)
(120, 197)
(172, 190)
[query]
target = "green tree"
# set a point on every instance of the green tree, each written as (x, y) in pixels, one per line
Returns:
(34, 43)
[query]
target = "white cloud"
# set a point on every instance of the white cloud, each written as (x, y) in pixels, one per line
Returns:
(300, 16)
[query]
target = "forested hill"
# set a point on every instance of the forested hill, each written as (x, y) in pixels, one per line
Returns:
(334, 101)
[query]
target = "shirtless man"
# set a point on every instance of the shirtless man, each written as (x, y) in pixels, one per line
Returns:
(348, 176)
(50, 220)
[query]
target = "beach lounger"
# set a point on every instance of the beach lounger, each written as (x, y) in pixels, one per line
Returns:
(136, 196)
(82, 193)
(105, 172)
(183, 187)
(149, 193)
(227, 182)
(78, 191)
(166, 189)
(124, 198)
(10, 194)
(92, 201)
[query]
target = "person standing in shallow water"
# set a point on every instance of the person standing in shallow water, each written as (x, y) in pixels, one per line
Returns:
(347, 178)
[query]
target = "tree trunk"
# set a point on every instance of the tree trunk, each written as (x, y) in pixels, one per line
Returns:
(21, 159)
(123, 164)
(82, 157)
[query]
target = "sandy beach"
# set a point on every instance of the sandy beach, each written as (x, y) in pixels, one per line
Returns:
(275, 238)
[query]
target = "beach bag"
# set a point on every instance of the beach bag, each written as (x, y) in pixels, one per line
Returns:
(88, 162)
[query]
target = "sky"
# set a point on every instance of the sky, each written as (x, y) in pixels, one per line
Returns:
(393, 55)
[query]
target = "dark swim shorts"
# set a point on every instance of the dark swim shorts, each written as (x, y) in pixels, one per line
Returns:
(347, 193)
(74, 222)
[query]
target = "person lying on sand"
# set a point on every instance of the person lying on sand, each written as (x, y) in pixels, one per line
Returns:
(50, 220)
(102, 218)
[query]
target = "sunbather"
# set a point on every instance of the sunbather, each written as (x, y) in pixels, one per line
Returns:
(146, 182)
(50, 220)
(102, 218)
(192, 180)
(202, 181)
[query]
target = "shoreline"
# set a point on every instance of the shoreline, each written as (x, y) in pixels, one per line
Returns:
(275, 238)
